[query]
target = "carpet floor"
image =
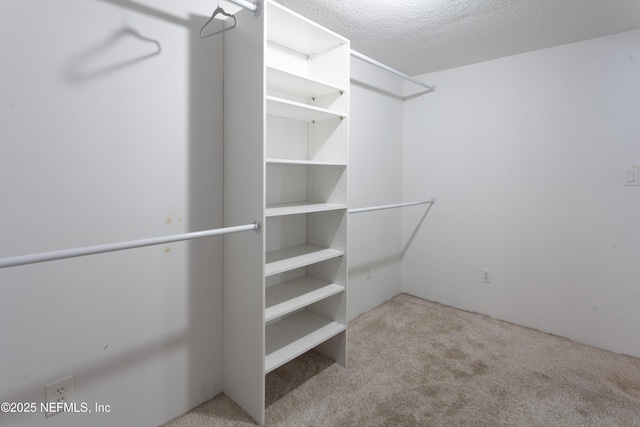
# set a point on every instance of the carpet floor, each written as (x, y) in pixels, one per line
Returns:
(413, 362)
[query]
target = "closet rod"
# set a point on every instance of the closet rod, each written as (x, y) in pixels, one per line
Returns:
(253, 7)
(110, 247)
(392, 70)
(399, 205)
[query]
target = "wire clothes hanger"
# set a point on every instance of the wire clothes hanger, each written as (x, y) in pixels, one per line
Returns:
(221, 11)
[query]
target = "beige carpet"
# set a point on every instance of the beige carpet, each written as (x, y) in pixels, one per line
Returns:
(418, 363)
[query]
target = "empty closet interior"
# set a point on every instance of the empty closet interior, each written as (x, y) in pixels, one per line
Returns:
(195, 194)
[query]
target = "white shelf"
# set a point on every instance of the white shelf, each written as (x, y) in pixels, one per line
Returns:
(298, 256)
(284, 81)
(298, 111)
(296, 162)
(301, 208)
(296, 334)
(297, 33)
(295, 294)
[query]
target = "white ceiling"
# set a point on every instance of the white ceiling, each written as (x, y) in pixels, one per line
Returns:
(421, 36)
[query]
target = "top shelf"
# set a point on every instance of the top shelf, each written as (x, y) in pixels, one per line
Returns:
(310, 38)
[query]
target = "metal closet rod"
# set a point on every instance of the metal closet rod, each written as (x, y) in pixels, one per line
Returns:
(253, 7)
(392, 70)
(111, 247)
(398, 205)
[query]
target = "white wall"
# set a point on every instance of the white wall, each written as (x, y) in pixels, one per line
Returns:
(107, 136)
(525, 156)
(375, 178)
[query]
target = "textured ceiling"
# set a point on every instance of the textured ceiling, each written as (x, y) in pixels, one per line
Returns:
(421, 36)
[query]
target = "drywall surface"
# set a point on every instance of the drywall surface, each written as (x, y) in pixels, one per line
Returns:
(110, 130)
(375, 178)
(525, 155)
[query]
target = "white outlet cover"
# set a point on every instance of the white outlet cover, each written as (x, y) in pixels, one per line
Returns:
(630, 176)
(486, 275)
(59, 391)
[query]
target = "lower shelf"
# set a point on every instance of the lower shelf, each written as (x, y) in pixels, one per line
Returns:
(296, 334)
(290, 296)
(299, 256)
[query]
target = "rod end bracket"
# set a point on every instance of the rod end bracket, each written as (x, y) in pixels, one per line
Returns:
(258, 8)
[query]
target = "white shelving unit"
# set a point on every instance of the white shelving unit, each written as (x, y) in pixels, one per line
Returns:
(286, 161)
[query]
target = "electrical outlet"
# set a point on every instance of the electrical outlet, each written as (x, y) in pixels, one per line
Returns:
(57, 393)
(486, 275)
(631, 176)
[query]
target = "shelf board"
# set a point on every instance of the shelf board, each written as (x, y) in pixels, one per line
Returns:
(298, 111)
(286, 82)
(296, 334)
(301, 208)
(295, 294)
(309, 38)
(296, 162)
(287, 259)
